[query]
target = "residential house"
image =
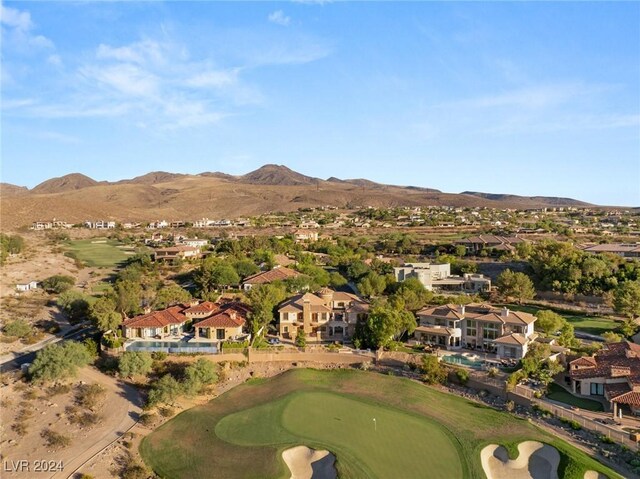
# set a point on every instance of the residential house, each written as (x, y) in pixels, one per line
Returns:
(195, 242)
(626, 250)
(203, 223)
(156, 324)
(613, 374)
(279, 273)
(100, 224)
(324, 316)
(176, 252)
(477, 326)
(305, 235)
(476, 244)
(158, 225)
(41, 225)
(27, 286)
(437, 277)
(217, 321)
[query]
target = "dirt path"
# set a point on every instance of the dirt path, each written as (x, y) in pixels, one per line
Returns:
(119, 412)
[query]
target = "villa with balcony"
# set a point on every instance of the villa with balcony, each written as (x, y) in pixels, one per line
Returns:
(483, 327)
(324, 316)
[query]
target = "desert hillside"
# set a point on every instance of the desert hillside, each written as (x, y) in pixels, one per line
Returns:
(171, 196)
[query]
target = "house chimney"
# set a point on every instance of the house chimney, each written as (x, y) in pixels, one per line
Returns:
(232, 314)
(146, 310)
(461, 309)
(505, 312)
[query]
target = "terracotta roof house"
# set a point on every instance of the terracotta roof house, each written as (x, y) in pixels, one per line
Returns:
(326, 315)
(279, 273)
(477, 326)
(157, 324)
(612, 373)
(222, 320)
(626, 250)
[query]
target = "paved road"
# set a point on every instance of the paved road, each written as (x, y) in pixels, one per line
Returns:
(12, 362)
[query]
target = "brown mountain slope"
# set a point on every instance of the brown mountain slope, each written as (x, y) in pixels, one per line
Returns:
(73, 181)
(277, 175)
(7, 189)
(189, 197)
(548, 200)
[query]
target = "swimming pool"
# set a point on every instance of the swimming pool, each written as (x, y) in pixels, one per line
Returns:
(461, 360)
(173, 346)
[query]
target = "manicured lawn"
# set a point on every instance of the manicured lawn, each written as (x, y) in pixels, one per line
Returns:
(345, 425)
(587, 324)
(98, 252)
(421, 432)
(558, 393)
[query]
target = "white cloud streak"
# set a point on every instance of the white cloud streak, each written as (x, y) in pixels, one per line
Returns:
(279, 18)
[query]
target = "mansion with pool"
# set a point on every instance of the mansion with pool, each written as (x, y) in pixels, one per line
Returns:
(220, 321)
(505, 333)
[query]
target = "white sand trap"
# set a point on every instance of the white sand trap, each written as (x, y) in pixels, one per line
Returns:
(535, 461)
(594, 475)
(306, 463)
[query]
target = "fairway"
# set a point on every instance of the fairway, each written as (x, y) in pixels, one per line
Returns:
(419, 431)
(345, 426)
(587, 324)
(99, 252)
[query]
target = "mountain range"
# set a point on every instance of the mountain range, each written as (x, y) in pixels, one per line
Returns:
(271, 188)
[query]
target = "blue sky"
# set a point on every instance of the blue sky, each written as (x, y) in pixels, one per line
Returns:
(526, 98)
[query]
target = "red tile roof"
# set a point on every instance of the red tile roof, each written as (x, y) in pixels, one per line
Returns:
(222, 320)
(204, 307)
(157, 319)
(615, 360)
(276, 274)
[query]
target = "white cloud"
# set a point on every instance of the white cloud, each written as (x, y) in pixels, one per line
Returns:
(213, 79)
(12, 17)
(19, 29)
(146, 51)
(124, 78)
(278, 17)
(57, 137)
(54, 60)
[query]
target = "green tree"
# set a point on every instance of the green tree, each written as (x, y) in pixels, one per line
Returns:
(58, 283)
(460, 250)
(433, 372)
(611, 337)
(164, 391)
(104, 315)
(626, 298)
(629, 327)
(245, 267)
(567, 336)
(128, 297)
(59, 361)
(515, 285)
(386, 322)
(74, 304)
(372, 284)
(301, 338)
(18, 328)
(263, 299)
(199, 375)
(133, 363)
(549, 322)
(170, 295)
(412, 293)
(336, 280)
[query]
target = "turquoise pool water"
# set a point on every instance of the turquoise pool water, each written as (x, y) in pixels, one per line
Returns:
(461, 360)
(172, 346)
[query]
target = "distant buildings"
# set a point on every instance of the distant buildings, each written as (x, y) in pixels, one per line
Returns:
(27, 286)
(279, 273)
(437, 277)
(475, 244)
(626, 250)
(176, 252)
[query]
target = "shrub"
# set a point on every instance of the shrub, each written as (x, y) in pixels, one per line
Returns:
(89, 395)
(147, 419)
(59, 361)
(18, 328)
(510, 406)
(58, 283)
(55, 439)
(135, 362)
(199, 375)
(166, 411)
(159, 355)
(492, 372)
(463, 376)
(301, 339)
(20, 428)
(606, 439)
(164, 391)
(85, 419)
(235, 345)
(432, 371)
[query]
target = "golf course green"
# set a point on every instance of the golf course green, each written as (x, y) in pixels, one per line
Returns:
(418, 431)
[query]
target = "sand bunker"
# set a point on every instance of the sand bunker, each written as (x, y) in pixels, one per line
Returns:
(594, 475)
(535, 461)
(306, 463)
